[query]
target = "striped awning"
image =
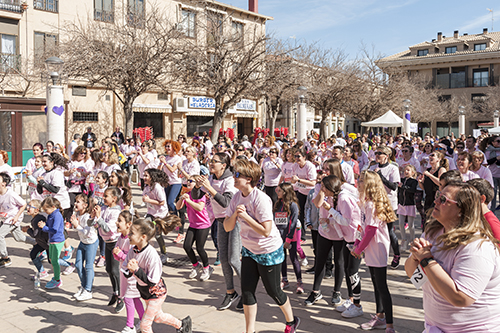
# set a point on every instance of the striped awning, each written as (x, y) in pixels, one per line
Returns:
(152, 108)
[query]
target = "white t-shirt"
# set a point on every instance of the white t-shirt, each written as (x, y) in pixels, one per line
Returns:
(141, 165)
(272, 173)
(377, 251)
(80, 167)
(173, 177)
(156, 193)
(71, 148)
(402, 164)
(246, 144)
(348, 172)
(307, 172)
(56, 178)
(287, 171)
(485, 173)
(10, 203)
(8, 169)
(191, 168)
(260, 207)
(469, 175)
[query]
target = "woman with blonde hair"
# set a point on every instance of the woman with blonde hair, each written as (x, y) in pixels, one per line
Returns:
(461, 261)
(375, 242)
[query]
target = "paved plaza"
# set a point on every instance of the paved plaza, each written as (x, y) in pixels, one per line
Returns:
(25, 309)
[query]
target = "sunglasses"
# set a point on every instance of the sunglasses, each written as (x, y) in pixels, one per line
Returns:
(213, 161)
(238, 175)
(442, 199)
(241, 149)
(496, 141)
(432, 155)
(189, 181)
(379, 153)
(298, 156)
(273, 152)
(30, 206)
(405, 150)
(221, 146)
(460, 147)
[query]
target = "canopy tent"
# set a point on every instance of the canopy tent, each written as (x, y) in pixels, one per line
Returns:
(389, 119)
(495, 130)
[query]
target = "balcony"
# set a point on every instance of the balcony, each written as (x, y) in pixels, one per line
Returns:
(457, 80)
(10, 62)
(47, 5)
(11, 5)
(104, 15)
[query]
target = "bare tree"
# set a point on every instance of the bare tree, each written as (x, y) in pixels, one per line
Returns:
(20, 75)
(129, 57)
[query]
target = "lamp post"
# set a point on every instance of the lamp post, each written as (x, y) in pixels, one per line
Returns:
(55, 101)
(301, 114)
(461, 120)
(406, 117)
(495, 118)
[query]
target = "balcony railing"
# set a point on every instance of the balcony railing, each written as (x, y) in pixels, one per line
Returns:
(9, 62)
(457, 80)
(11, 5)
(48, 5)
(104, 15)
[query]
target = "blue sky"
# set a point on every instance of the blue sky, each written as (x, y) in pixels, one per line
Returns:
(390, 25)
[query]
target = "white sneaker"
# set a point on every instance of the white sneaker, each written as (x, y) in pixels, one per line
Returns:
(129, 330)
(304, 262)
(353, 311)
(80, 289)
(205, 273)
(164, 258)
(194, 271)
(84, 296)
(341, 308)
(138, 327)
(70, 269)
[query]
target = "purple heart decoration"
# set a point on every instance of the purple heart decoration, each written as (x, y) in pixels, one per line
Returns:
(45, 110)
(407, 116)
(58, 110)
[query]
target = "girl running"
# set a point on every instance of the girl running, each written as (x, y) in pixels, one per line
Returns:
(101, 184)
(406, 204)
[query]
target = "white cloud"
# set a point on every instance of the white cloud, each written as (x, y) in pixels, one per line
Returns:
(480, 22)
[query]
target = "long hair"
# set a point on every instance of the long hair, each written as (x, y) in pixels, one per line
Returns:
(443, 163)
(165, 225)
(472, 224)
(57, 159)
(335, 168)
(123, 184)
(374, 191)
(85, 198)
(157, 177)
(79, 150)
(333, 184)
(289, 196)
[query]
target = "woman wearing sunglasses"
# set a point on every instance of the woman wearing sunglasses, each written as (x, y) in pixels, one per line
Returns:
(262, 251)
(429, 181)
(461, 261)
(271, 166)
(493, 158)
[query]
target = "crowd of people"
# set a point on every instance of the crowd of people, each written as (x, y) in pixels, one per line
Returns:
(261, 201)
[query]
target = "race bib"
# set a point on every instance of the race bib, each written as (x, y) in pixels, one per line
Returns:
(418, 278)
(358, 233)
(281, 218)
(300, 185)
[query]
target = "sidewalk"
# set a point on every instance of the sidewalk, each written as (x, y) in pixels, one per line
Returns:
(25, 309)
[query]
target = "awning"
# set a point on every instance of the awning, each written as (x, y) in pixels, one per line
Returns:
(152, 108)
(200, 113)
(245, 114)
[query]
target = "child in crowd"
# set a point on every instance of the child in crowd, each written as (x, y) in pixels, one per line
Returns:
(41, 238)
(101, 183)
(106, 222)
(311, 217)
(128, 289)
(120, 179)
(406, 203)
(32, 178)
(199, 227)
(55, 228)
(377, 212)
(85, 253)
(487, 193)
(11, 214)
(144, 263)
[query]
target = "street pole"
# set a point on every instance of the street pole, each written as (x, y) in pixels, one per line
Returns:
(301, 114)
(461, 120)
(55, 102)
(406, 118)
(495, 118)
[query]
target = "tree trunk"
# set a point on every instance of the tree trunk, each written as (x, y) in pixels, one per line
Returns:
(322, 128)
(272, 121)
(129, 116)
(218, 119)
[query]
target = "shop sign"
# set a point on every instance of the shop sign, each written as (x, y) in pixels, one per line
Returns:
(246, 104)
(201, 103)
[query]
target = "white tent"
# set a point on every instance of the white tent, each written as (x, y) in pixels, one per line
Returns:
(389, 119)
(495, 130)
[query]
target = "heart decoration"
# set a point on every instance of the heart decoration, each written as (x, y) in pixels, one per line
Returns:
(407, 116)
(45, 109)
(58, 110)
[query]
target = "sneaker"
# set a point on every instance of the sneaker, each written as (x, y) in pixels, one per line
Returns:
(217, 260)
(113, 300)
(68, 253)
(353, 311)
(304, 262)
(120, 305)
(164, 258)
(239, 306)
(395, 261)
(284, 284)
(206, 273)
(129, 330)
(143, 204)
(336, 298)
(101, 262)
(343, 307)
(70, 269)
(300, 288)
(53, 284)
(313, 298)
(406, 226)
(375, 323)
(186, 325)
(302, 241)
(4, 262)
(80, 289)
(43, 255)
(43, 275)
(310, 270)
(138, 327)
(390, 330)
(179, 239)
(328, 274)
(228, 300)
(194, 271)
(293, 328)
(84, 296)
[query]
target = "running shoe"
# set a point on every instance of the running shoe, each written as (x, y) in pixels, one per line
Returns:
(113, 300)
(353, 311)
(293, 328)
(395, 261)
(164, 258)
(300, 288)
(70, 269)
(68, 253)
(186, 325)
(179, 239)
(53, 284)
(303, 262)
(336, 298)
(228, 300)
(217, 260)
(4, 262)
(285, 284)
(343, 307)
(310, 270)
(101, 262)
(328, 274)
(239, 306)
(194, 271)
(374, 323)
(84, 296)
(390, 330)
(42, 275)
(129, 330)
(80, 289)
(120, 305)
(313, 298)
(206, 273)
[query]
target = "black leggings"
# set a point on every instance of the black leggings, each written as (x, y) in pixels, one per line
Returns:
(182, 214)
(200, 236)
(271, 192)
(302, 204)
(295, 263)
(394, 238)
(329, 259)
(351, 267)
(251, 271)
(382, 295)
(112, 267)
(69, 211)
(324, 246)
(158, 236)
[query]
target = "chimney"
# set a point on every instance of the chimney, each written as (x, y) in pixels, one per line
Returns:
(455, 34)
(440, 36)
(485, 31)
(253, 6)
(466, 34)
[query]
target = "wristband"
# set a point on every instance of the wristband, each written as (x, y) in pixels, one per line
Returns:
(426, 261)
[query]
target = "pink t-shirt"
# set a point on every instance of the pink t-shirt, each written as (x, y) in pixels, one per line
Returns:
(173, 177)
(347, 205)
(191, 168)
(198, 220)
(402, 164)
(475, 270)
(307, 172)
(469, 175)
(287, 171)
(156, 193)
(485, 173)
(272, 173)
(141, 165)
(128, 287)
(10, 203)
(377, 251)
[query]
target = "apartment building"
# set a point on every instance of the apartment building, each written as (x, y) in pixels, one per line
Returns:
(29, 28)
(456, 65)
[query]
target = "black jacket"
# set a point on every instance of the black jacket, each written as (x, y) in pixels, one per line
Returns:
(406, 192)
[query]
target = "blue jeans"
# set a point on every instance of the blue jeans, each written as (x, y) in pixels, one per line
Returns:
(85, 254)
(37, 261)
(496, 182)
(172, 191)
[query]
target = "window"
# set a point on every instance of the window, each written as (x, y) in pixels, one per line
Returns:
(480, 77)
(199, 124)
(155, 120)
(136, 12)
(9, 59)
(237, 31)
(188, 23)
(214, 27)
(451, 49)
(85, 117)
(163, 97)
(79, 91)
(48, 5)
(44, 47)
(480, 47)
(104, 11)
(421, 53)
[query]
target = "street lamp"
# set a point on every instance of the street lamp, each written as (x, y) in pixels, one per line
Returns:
(55, 101)
(301, 114)
(495, 118)
(406, 117)
(461, 120)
